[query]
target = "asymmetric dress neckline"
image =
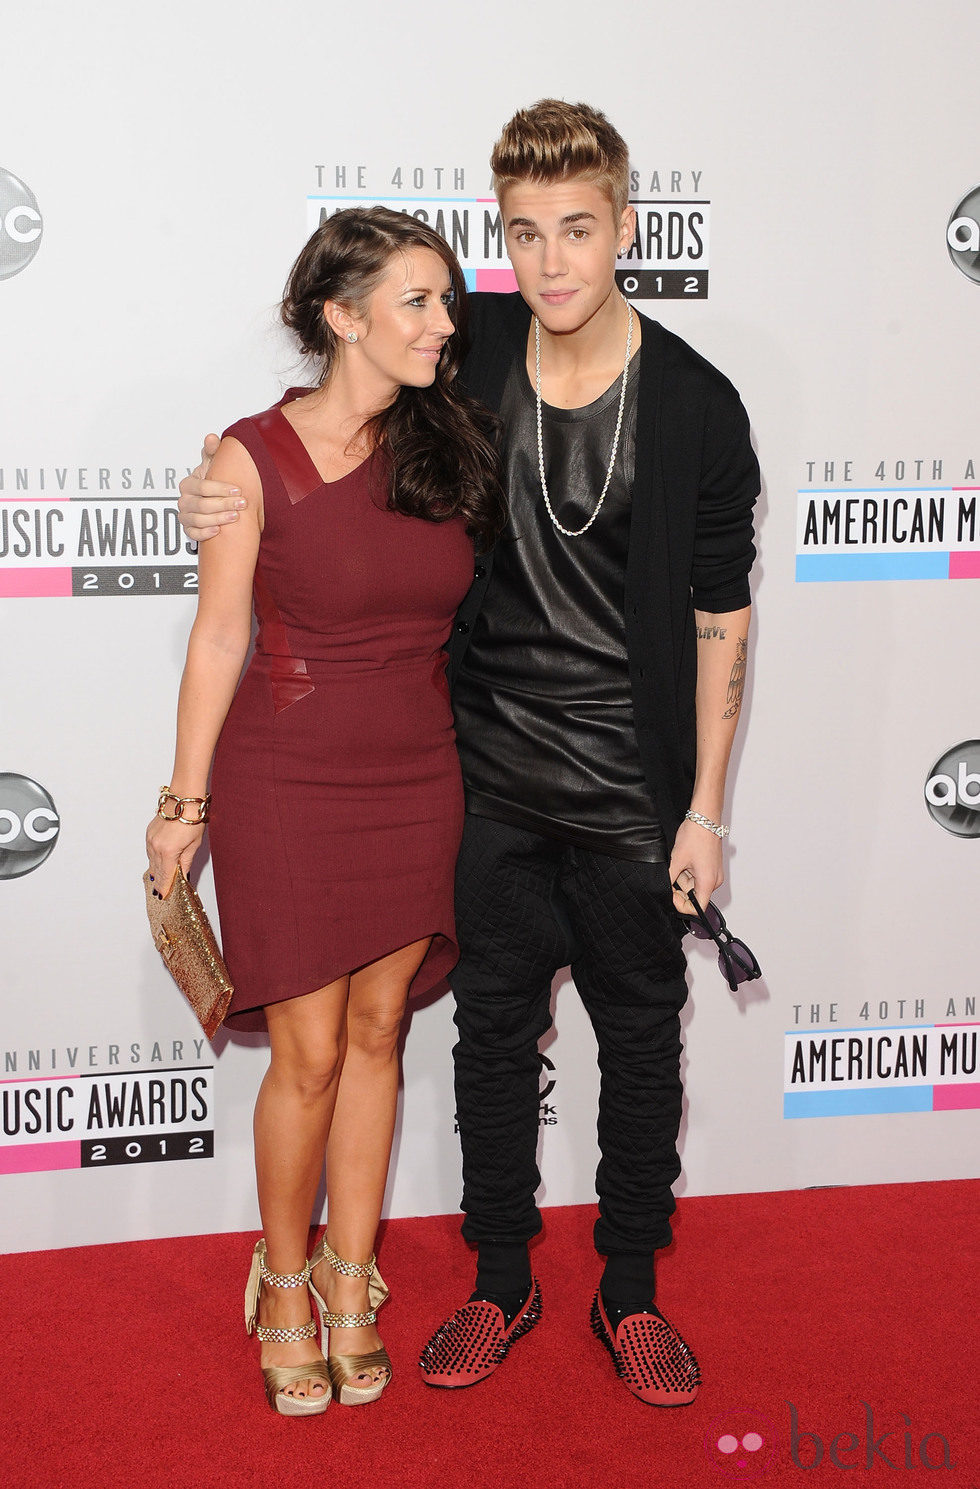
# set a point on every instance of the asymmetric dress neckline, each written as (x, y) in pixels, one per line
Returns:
(293, 395)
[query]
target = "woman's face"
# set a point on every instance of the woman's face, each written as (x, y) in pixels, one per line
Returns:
(406, 322)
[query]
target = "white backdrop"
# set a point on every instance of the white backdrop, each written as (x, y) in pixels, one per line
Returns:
(160, 172)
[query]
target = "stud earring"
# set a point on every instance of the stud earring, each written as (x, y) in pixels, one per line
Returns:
(352, 336)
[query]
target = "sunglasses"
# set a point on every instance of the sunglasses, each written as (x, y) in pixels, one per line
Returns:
(736, 962)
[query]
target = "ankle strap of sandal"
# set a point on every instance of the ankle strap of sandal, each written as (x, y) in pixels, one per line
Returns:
(284, 1279)
(347, 1269)
(348, 1320)
(286, 1336)
(258, 1274)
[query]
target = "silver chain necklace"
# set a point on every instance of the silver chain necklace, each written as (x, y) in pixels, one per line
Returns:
(577, 532)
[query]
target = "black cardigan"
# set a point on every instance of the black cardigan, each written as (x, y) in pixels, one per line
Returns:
(696, 480)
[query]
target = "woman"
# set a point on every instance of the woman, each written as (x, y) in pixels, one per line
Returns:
(337, 798)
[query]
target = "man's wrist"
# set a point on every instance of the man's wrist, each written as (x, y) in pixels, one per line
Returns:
(720, 829)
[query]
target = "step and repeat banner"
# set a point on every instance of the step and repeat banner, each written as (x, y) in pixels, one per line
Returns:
(808, 196)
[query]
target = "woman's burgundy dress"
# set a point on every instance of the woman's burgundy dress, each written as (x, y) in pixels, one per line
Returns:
(337, 803)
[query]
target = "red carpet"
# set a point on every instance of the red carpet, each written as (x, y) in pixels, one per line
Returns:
(127, 1366)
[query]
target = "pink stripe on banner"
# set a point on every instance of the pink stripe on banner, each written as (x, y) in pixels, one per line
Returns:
(501, 281)
(955, 1098)
(964, 566)
(37, 1158)
(23, 584)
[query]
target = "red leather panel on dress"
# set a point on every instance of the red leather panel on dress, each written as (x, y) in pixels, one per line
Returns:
(299, 475)
(287, 674)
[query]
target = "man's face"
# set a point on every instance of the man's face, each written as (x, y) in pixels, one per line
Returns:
(563, 238)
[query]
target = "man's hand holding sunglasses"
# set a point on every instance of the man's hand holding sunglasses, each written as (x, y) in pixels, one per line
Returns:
(736, 961)
(696, 864)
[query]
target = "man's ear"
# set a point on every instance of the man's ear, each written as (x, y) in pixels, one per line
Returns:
(627, 229)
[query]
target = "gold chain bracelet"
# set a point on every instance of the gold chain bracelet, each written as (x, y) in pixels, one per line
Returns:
(203, 804)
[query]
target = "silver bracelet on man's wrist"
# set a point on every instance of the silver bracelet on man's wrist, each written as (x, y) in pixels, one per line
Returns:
(718, 828)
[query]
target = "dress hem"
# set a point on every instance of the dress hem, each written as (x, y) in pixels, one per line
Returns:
(438, 962)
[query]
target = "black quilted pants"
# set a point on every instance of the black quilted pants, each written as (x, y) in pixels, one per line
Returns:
(525, 907)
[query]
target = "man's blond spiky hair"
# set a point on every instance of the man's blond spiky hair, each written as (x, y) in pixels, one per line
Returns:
(557, 141)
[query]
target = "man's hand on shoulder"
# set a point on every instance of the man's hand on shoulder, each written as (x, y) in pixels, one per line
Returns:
(207, 506)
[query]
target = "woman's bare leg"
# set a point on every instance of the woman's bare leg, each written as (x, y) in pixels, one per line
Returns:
(292, 1118)
(359, 1144)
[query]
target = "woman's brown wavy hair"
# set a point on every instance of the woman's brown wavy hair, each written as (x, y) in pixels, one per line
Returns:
(440, 443)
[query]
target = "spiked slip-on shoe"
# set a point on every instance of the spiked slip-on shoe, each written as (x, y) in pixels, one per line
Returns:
(651, 1358)
(475, 1340)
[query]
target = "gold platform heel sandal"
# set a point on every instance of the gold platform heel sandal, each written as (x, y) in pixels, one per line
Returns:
(278, 1377)
(344, 1369)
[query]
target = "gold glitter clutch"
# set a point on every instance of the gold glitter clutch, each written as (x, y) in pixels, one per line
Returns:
(183, 936)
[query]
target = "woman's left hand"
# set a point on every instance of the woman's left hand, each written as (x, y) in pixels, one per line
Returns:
(170, 843)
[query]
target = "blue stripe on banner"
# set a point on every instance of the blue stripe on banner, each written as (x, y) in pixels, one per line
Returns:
(469, 276)
(813, 568)
(857, 1103)
(471, 201)
(870, 490)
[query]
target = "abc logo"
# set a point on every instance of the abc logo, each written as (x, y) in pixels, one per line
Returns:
(963, 235)
(29, 825)
(953, 790)
(20, 225)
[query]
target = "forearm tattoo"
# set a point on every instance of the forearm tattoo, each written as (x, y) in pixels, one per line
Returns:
(736, 683)
(711, 633)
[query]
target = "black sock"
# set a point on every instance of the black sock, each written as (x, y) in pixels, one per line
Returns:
(503, 1276)
(628, 1285)
(629, 1275)
(503, 1267)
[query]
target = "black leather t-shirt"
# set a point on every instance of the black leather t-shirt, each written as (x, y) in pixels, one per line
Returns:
(544, 714)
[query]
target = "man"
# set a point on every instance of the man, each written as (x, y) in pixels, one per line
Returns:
(597, 667)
